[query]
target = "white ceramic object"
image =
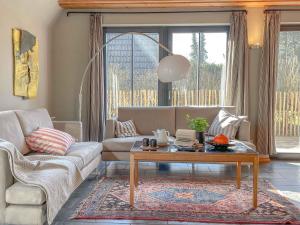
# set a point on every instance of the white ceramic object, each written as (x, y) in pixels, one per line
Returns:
(162, 136)
(173, 68)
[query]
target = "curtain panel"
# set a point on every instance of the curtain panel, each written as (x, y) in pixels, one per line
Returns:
(267, 88)
(236, 85)
(93, 115)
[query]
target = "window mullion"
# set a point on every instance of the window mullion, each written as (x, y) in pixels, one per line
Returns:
(132, 69)
(198, 69)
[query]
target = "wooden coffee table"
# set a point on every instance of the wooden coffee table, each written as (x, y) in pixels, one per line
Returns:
(240, 154)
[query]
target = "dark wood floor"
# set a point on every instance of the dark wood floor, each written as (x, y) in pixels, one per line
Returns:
(285, 175)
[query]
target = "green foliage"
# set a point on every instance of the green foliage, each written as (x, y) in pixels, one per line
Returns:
(288, 78)
(198, 124)
(207, 75)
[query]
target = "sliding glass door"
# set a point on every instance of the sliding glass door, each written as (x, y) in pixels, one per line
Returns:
(287, 114)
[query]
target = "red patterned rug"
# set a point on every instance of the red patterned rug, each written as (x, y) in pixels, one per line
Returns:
(188, 200)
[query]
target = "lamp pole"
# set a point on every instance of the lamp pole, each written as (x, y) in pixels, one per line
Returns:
(170, 68)
(97, 54)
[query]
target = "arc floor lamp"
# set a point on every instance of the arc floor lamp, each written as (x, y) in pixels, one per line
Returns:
(171, 68)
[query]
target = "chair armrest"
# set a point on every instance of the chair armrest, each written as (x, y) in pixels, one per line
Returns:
(73, 128)
(6, 180)
(243, 133)
(110, 128)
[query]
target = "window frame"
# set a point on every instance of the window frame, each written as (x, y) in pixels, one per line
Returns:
(165, 37)
(290, 27)
(161, 32)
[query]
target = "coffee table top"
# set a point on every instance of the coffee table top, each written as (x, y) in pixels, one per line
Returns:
(239, 148)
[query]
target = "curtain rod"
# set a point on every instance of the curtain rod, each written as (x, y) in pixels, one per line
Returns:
(156, 12)
(282, 10)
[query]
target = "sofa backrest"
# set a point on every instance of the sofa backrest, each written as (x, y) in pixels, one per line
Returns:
(10, 130)
(31, 120)
(148, 119)
(208, 112)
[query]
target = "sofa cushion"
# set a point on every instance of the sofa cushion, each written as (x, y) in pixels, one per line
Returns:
(207, 112)
(26, 214)
(247, 144)
(225, 123)
(10, 130)
(86, 151)
(31, 120)
(123, 144)
(148, 119)
(49, 140)
(21, 194)
(125, 129)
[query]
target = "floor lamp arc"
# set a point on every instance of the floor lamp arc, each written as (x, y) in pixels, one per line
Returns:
(171, 68)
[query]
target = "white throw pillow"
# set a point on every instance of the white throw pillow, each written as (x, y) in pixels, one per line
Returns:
(125, 129)
(225, 123)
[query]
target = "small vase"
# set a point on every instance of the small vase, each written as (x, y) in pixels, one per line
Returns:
(200, 137)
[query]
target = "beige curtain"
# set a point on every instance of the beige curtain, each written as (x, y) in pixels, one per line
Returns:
(237, 76)
(267, 88)
(93, 93)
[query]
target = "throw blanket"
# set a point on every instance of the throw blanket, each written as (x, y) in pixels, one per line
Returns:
(57, 176)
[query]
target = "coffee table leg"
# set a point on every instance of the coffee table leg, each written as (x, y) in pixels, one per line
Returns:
(255, 180)
(136, 174)
(238, 174)
(132, 179)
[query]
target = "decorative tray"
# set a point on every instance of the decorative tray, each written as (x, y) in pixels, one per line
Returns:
(193, 148)
(149, 148)
(163, 145)
(220, 147)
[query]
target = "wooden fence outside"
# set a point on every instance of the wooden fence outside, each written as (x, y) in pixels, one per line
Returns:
(287, 114)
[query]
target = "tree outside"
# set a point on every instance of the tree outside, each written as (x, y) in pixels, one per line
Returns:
(204, 78)
(287, 114)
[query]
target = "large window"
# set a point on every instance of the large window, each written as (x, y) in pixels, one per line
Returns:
(131, 62)
(206, 51)
(287, 114)
(131, 80)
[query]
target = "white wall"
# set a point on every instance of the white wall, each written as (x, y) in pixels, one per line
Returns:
(70, 37)
(36, 17)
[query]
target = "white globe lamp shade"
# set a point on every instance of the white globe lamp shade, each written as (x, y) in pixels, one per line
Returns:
(173, 68)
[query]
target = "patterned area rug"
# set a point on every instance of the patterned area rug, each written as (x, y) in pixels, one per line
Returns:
(188, 200)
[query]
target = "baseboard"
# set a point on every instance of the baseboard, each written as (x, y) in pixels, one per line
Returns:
(264, 159)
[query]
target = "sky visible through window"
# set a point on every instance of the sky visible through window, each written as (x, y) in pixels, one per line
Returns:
(215, 46)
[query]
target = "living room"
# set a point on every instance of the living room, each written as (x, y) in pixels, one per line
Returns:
(149, 112)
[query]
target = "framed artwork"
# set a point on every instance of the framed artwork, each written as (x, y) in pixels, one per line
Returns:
(26, 63)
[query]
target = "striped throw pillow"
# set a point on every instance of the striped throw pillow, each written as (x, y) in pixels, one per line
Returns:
(51, 141)
(225, 123)
(125, 129)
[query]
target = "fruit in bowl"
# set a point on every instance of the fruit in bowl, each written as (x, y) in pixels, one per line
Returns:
(220, 143)
(221, 139)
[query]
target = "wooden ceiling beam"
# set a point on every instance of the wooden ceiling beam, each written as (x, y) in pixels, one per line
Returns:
(133, 4)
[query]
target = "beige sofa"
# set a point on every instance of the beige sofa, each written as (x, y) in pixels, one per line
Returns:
(20, 204)
(148, 119)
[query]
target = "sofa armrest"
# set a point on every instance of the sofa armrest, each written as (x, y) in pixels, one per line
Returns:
(243, 133)
(6, 180)
(110, 128)
(73, 128)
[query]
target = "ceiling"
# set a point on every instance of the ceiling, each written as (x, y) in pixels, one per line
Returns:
(130, 4)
